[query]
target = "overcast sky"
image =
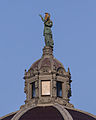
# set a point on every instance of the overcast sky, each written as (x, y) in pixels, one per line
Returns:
(21, 44)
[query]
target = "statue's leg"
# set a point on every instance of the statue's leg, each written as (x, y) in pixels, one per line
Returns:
(51, 40)
(47, 40)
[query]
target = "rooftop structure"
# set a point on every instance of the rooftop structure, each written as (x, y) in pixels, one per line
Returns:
(48, 88)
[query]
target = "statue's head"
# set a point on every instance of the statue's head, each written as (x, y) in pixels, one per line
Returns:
(47, 16)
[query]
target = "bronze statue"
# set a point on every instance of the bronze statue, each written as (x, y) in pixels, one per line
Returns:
(47, 30)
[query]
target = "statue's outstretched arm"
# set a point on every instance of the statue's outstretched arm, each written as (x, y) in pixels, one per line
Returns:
(41, 18)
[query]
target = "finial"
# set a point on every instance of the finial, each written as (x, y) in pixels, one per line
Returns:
(47, 30)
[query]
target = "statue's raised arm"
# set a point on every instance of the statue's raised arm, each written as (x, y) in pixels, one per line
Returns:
(47, 30)
(41, 17)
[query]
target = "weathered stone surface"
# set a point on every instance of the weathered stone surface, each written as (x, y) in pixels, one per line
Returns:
(47, 69)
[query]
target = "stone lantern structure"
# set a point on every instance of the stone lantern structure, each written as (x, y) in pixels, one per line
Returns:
(47, 81)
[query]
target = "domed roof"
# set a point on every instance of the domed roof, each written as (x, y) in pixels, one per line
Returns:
(80, 115)
(50, 113)
(8, 117)
(47, 61)
(52, 63)
(42, 113)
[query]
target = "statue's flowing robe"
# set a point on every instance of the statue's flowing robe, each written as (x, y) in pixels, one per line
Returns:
(48, 33)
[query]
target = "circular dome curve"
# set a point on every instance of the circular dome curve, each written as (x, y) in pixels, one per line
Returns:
(51, 63)
(42, 113)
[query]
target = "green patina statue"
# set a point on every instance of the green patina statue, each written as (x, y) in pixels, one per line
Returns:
(47, 30)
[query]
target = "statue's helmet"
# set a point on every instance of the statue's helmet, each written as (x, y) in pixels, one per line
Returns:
(47, 15)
